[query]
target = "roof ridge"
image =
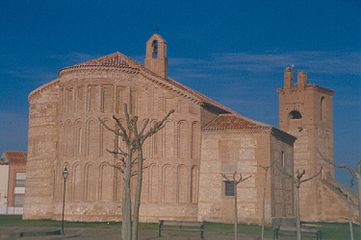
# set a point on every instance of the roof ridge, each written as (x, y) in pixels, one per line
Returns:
(16, 151)
(117, 59)
(234, 121)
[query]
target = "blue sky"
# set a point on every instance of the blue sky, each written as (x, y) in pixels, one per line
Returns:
(232, 51)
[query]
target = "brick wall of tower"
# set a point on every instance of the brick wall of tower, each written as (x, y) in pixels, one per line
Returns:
(313, 148)
(42, 152)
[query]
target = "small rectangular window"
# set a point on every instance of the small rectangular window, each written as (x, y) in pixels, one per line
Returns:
(229, 188)
(20, 179)
(20, 183)
(19, 200)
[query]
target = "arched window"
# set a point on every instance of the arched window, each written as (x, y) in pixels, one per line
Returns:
(155, 49)
(322, 108)
(295, 115)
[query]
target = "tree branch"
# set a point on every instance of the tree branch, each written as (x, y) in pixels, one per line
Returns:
(157, 126)
(312, 177)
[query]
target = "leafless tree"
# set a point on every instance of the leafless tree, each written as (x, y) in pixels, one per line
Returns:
(347, 195)
(355, 174)
(130, 161)
(236, 179)
(299, 179)
(266, 169)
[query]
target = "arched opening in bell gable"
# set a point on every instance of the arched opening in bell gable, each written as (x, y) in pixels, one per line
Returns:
(155, 49)
(294, 115)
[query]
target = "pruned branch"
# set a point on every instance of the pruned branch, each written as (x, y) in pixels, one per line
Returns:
(157, 126)
(117, 166)
(123, 132)
(350, 170)
(108, 128)
(236, 179)
(299, 174)
(225, 177)
(312, 177)
(145, 124)
(241, 179)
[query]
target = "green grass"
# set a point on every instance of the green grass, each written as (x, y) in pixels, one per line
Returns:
(17, 221)
(242, 228)
(330, 231)
(339, 231)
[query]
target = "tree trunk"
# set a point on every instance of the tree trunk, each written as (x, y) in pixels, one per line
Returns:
(350, 217)
(359, 197)
(264, 205)
(298, 221)
(138, 193)
(235, 211)
(127, 203)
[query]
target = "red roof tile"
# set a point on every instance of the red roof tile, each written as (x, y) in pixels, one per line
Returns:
(232, 122)
(16, 155)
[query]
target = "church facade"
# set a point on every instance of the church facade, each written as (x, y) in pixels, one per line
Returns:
(202, 140)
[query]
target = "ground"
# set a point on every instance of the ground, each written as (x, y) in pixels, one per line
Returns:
(11, 226)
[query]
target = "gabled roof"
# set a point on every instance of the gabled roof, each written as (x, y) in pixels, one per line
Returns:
(120, 61)
(228, 118)
(116, 59)
(233, 122)
(13, 156)
(113, 60)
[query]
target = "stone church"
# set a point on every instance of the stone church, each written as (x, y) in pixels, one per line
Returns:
(201, 140)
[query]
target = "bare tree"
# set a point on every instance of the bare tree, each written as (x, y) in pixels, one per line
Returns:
(297, 181)
(236, 179)
(266, 169)
(349, 204)
(130, 162)
(355, 174)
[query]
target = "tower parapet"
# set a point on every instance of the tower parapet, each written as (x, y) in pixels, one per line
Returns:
(288, 77)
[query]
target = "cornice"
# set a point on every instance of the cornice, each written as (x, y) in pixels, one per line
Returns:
(42, 88)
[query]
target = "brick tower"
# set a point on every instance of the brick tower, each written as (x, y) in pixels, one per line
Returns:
(305, 111)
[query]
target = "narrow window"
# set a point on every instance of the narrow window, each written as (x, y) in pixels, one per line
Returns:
(322, 108)
(283, 160)
(295, 115)
(228, 188)
(155, 49)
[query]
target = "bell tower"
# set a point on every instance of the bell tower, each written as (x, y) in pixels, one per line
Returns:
(305, 111)
(156, 55)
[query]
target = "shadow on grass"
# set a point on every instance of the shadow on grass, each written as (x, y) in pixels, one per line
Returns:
(330, 231)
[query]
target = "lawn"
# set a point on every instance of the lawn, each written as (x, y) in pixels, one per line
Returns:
(330, 231)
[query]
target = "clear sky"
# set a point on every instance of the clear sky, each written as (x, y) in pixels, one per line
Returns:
(232, 51)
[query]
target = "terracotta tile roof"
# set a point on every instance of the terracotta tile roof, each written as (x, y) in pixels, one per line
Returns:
(14, 156)
(114, 59)
(119, 60)
(233, 122)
